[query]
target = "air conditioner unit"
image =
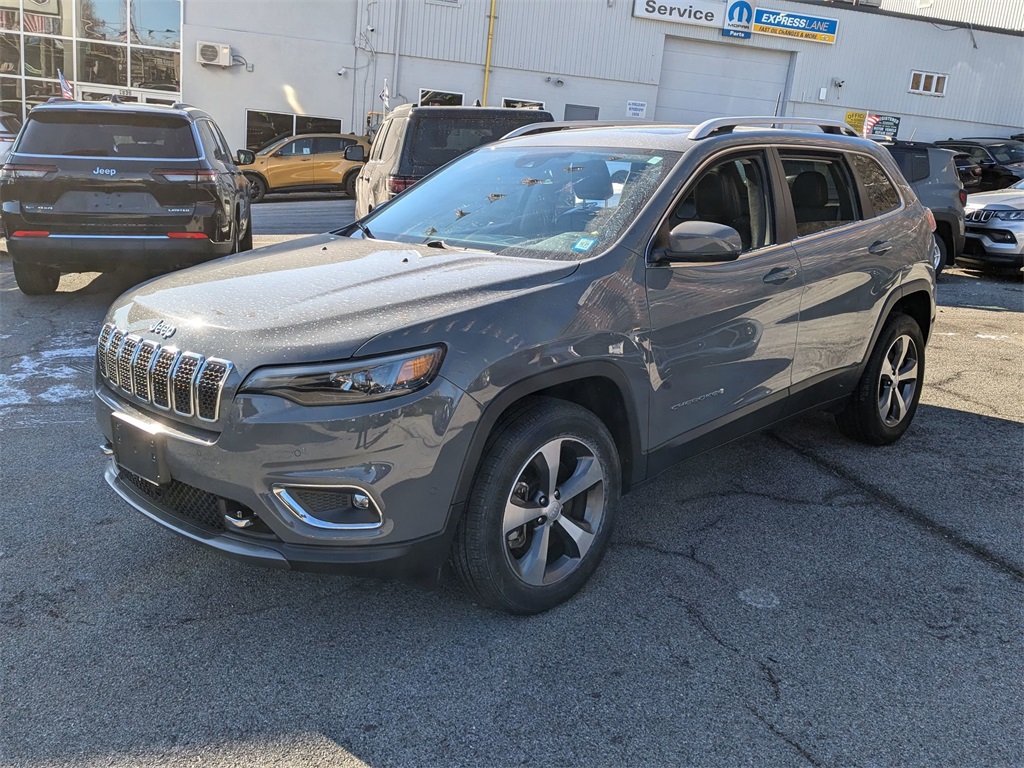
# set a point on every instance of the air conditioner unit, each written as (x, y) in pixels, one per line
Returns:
(215, 54)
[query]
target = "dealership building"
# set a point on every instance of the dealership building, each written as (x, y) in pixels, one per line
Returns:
(922, 69)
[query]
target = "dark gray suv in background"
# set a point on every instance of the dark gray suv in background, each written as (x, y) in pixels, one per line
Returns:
(482, 366)
(94, 187)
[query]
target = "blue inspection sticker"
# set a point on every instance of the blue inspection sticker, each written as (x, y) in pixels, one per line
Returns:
(584, 244)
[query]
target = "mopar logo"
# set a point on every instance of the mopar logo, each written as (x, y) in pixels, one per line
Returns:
(105, 172)
(740, 12)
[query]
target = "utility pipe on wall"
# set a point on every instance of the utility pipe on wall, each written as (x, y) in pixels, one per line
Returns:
(490, 42)
(398, 45)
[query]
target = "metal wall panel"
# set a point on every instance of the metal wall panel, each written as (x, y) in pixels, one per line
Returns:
(1001, 14)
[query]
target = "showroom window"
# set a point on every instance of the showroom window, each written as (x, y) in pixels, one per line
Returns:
(928, 83)
(440, 98)
(264, 128)
(522, 104)
(103, 48)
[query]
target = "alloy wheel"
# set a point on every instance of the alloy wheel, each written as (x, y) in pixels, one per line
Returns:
(553, 511)
(897, 382)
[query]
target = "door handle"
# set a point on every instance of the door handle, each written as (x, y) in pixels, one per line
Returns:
(780, 275)
(879, 247)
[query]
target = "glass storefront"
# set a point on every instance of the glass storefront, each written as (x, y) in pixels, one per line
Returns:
(265, 128)
(128, 48)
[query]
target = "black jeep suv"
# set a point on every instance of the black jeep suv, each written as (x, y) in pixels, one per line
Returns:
(94, 187)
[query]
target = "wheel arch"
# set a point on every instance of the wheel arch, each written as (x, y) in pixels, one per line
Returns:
(601, 388)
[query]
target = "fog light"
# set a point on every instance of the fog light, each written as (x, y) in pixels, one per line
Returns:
(337, 507)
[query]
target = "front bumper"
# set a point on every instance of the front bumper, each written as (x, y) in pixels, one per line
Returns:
(404, 454)
(994, 243)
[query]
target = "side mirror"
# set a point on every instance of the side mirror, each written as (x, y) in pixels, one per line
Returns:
(987, 163)
(355, 153)
(245, 157)
(702, 241)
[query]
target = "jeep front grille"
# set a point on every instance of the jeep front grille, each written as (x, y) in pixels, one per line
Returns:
(980, 216)
(186, 382)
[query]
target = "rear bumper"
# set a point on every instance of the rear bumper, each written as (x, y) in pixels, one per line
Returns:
(105, 253)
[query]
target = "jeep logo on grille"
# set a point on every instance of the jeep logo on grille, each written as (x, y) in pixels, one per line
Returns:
(160, 328)
(104, 171)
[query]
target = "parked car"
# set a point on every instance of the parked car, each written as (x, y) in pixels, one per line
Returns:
(968, 171)
(305, 163)
(480, 367)
(9, 127)
(995, 228)
(96, 186)
(932, 173)
(414, 141)
(1001, 160)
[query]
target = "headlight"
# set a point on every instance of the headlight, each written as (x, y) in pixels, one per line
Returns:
(1009, 215)
(350, 381)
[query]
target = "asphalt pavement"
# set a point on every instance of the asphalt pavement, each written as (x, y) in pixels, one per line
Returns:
(790, 599)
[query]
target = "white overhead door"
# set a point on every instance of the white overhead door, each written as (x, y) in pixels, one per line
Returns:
(701, 80)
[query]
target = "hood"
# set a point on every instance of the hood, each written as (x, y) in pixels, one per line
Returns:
(997, 199)
(319, 298)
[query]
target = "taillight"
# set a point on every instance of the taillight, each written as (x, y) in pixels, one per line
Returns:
(17, 171)
(30, 233)
(177, 175)
(963, 196)
(398, 184)
(186, 236)
(931, 218)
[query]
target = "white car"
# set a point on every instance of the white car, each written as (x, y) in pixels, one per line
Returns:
(995, 228)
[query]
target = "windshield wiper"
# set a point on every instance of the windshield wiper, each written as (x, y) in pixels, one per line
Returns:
(365, 230)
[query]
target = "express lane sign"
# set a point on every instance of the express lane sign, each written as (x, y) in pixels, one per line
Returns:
(798, 25)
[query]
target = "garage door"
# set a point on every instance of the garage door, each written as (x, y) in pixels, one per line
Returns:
(701, 80)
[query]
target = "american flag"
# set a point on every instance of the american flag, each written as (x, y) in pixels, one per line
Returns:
(66, 91)
(869, 123)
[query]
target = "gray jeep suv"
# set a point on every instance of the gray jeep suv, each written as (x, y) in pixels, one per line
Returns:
(482, 366)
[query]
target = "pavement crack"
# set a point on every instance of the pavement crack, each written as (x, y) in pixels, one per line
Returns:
(889, 500)
(689, 555)
(800, 749)
(696, 616)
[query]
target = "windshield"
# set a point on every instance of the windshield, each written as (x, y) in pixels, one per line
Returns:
(1007, 153)
(545, 202)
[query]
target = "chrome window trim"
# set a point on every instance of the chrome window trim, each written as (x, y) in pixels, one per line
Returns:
(115, 159)
(296, 509)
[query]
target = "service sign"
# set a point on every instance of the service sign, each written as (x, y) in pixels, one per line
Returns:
(798, 25)
(701, 13)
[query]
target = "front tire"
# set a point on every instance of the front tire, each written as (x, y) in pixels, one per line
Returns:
(35, 279)
(886, 397)
(541, 510)
(245, 244)
(350, 185)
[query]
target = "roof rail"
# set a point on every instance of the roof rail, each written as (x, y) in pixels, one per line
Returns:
(181, 105)
(727, 124)
(569, 125)
(56, 99)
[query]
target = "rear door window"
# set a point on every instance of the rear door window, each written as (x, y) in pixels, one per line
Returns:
(823, 193)
(439, 139)
(106, 134)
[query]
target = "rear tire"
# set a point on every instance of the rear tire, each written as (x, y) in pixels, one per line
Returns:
(940, 253)
(257, 188)
(35, 279)
(886, 397)
(245, 244)
(517, 548)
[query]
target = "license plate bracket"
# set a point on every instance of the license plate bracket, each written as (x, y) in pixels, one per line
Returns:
(139, 448)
